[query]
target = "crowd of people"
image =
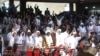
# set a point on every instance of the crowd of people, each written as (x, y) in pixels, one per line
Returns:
(70, 32)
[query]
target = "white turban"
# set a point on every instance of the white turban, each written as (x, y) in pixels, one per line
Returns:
(48, 31)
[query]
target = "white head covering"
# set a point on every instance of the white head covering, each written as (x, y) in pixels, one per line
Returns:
(37, 31)
(81, 24)
(48, 31)
(29, 30)
(58, 30)
(74, 32)
(91, 22)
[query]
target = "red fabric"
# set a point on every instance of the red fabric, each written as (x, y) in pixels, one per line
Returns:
(36, 52)
(29, 52)
(56, 53)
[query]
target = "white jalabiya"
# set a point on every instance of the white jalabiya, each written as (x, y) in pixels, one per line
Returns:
(9, 36)
(59, 40)
(38, 41)
(91, 28)
(82, 29)
(19, 39)
(72, 42)
(49, 40)
(93, 20)
(62, 37)
(11, 42)
(2, 40)
(29, 41)
(97, 30)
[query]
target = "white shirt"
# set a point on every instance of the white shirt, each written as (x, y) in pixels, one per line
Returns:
(38, 41)
(49, 40)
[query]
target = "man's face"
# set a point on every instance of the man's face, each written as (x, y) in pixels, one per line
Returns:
(48, 33)
(38, 33)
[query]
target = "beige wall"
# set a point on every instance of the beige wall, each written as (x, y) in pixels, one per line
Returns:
(57, 7)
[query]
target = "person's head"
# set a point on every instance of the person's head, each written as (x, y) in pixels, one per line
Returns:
(56, 27)
(47, 8)
(69, 31)
(3, 4)
(92, 34)
(74, 33)
(92, 17)
(38, 33)
(30, 6)
(59, 31)
(91, 23)
(48, 32)
(93, 39)
(82, 24)
(28, 32)
(19, 32)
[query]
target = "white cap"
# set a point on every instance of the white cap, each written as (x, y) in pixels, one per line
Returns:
(48, 31)
(58, 30)
(82, 24)
(29, 30)
(37, 31)
(91, 22)
(74, 32)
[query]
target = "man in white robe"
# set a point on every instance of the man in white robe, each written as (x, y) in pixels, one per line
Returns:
(12, 40)
(38, 40)
(91, 27)
(59, 38)
(72, 41)
(97, 30)
(63, 37)
(48, 38)
(82, 29)
(29, 40)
